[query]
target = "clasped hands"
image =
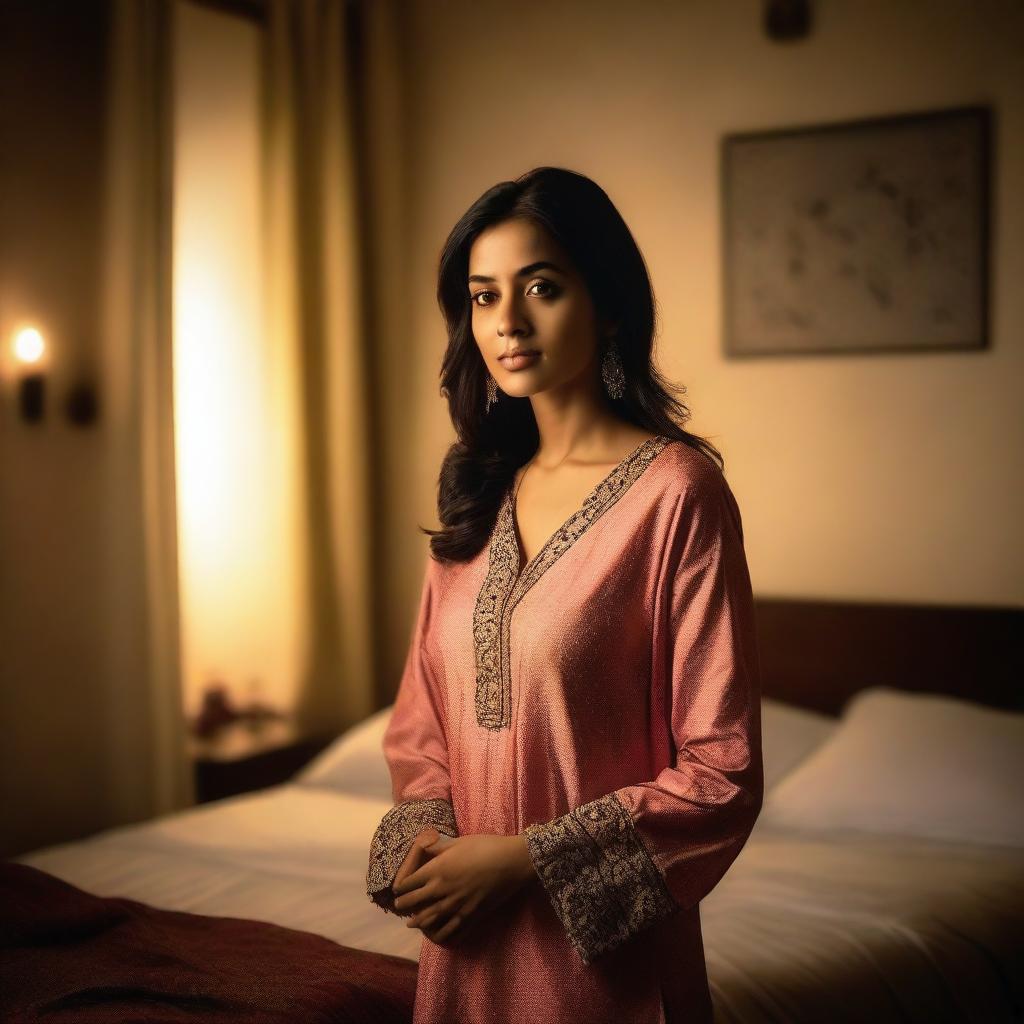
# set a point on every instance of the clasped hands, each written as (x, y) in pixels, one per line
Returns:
(448, 884)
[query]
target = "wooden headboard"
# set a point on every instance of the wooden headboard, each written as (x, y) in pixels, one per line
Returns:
(818, 654)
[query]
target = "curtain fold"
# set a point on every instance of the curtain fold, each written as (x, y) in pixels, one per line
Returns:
(316, 308)
(147, 767)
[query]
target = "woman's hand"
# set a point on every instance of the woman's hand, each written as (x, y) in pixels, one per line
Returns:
(464, 879)
(416, 857)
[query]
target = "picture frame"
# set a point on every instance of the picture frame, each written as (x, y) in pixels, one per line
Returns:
(863, 236)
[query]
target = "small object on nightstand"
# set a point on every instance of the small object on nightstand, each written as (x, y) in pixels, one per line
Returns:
(249, 754)
(216, 712)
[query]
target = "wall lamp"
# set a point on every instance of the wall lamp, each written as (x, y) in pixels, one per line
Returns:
(31, 358)
(29, 355)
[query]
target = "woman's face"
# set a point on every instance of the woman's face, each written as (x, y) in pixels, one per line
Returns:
(527, 296)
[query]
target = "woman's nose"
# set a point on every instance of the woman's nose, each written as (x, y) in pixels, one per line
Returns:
(511, 319)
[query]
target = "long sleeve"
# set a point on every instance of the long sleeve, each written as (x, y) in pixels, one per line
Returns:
(617, 864)
(416, 750)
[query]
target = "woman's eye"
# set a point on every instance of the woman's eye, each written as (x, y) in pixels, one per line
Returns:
(548, 290)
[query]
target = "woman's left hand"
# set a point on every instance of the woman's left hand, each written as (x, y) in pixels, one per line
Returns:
(464, 880)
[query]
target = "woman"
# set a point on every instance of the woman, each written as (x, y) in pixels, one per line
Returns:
(575, 746)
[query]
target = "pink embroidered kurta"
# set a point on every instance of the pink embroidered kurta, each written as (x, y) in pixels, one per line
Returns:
(604, 700)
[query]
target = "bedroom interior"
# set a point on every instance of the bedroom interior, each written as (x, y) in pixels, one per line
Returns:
(220, 429)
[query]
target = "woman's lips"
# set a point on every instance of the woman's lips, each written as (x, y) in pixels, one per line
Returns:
(519, 362)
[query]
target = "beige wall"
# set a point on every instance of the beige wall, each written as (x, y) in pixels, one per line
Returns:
(52, 702)
(866, 477)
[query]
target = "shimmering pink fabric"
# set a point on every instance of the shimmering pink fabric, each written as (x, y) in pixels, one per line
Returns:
(634, 671)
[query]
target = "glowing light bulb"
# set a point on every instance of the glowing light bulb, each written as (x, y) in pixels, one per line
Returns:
(29, 350)
(29, 345)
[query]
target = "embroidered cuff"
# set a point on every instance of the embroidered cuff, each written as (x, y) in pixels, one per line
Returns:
(393, 838)
(601, 880)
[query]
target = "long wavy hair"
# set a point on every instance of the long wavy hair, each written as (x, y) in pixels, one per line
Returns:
(481, 465)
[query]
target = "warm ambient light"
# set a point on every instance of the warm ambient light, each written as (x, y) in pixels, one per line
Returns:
(238, 441)
(29, 345)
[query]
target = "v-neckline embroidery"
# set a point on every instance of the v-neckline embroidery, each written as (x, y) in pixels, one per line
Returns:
(508, 580)
(521, 565)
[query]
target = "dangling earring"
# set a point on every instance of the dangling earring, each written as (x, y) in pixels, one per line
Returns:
(492, 391)
(612, 373)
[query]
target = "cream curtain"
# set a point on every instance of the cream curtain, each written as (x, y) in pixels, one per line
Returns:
(141, 717)
(320, 285)
(325, 66)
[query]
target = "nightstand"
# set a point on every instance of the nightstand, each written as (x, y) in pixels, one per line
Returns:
(247, 755)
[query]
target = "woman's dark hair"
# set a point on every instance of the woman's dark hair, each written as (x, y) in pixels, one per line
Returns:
(481, 465)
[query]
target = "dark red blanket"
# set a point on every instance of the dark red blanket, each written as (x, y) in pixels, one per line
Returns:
(68, 956)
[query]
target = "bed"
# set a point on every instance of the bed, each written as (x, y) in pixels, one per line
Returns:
(882, 882)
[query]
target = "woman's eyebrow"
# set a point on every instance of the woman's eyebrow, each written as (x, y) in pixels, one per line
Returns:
(530, 268)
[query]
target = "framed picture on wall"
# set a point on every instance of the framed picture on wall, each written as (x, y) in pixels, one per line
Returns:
(861, 236)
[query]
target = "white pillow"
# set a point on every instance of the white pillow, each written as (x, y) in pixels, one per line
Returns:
(354, 762)
(788, 735)
(911, 764)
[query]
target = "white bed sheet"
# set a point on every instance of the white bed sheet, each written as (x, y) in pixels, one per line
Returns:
(803, 928)
(846, 927)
